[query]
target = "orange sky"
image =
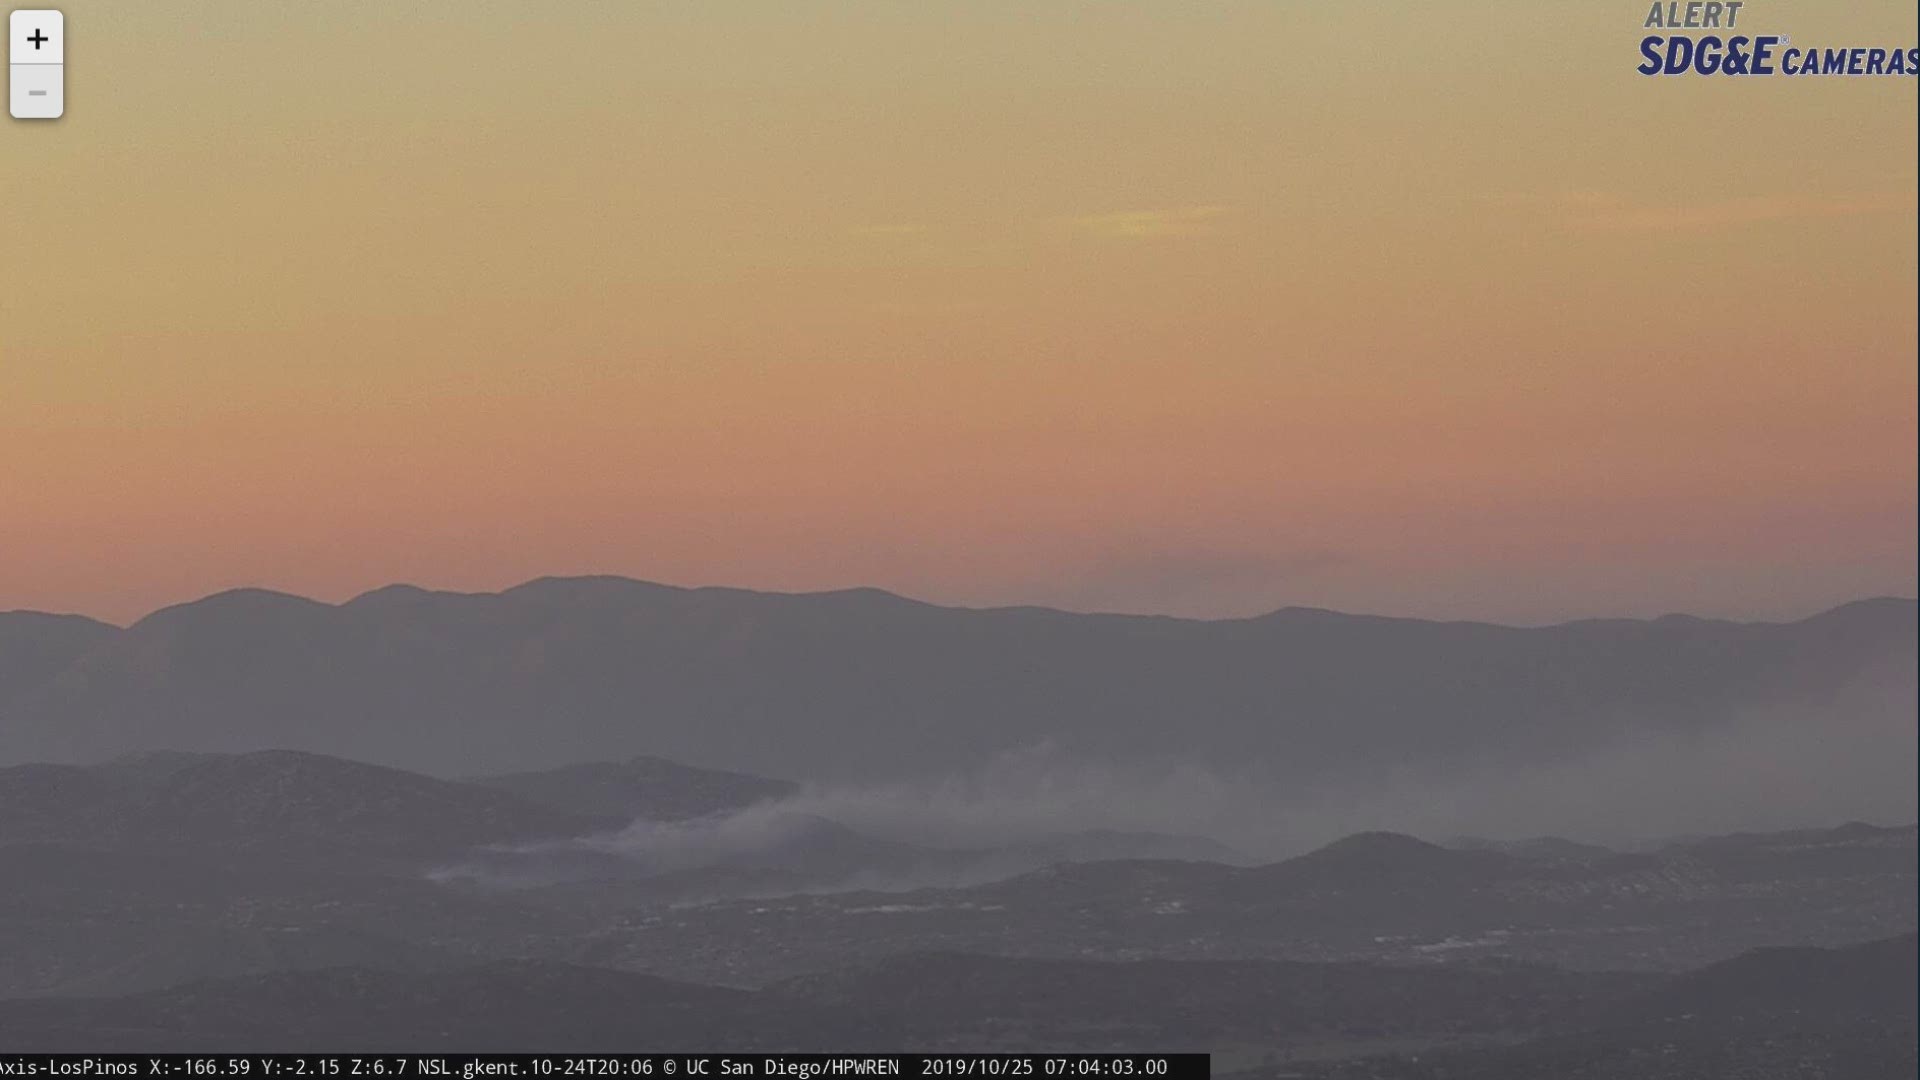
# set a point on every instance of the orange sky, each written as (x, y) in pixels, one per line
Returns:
(1169, 307)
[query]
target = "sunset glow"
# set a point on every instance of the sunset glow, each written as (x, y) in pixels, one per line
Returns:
(1198, 309)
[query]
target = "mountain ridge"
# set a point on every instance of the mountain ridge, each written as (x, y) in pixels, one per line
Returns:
(548, 581)
(867, 685)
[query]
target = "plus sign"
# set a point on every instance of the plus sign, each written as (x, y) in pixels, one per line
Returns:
(38, 39)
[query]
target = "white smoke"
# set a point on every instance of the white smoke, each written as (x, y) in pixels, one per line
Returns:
(1854, 759)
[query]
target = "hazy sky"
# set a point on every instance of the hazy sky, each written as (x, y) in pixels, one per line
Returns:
(1209, 308)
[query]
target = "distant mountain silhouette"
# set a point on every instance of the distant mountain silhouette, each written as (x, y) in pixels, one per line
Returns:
(862, 683)
(644, 787)
(34, 646)
(1388, 853)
